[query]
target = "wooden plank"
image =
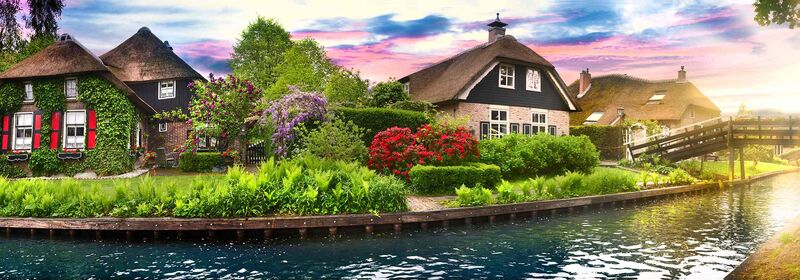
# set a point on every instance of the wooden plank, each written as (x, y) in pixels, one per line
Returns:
(681, 135)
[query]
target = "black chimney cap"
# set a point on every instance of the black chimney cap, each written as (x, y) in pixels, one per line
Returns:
(497, 22)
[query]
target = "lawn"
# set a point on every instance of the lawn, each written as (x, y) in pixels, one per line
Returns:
(181, 183)
(720, 168)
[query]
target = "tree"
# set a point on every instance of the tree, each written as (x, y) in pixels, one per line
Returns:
(386, 93)
(306, 66)
(44, 15)
(758, 153)
(259, 51)
(743, 111)
(346, 86)
(777, 12)
(9, 28)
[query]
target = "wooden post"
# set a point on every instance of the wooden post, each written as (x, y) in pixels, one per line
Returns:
(128, 235)
(731, 151)
(512, 216)
(267, 234)
(368, 229)
(445, 224)
(52, 233)
(210, 235)
(467, 221)
(72, 233)
(240, 235)
(398, 228)
(332, 231)
(179, 235)
(423, 226)
(303, 233)
(741, 162)
(156, 235)
(492, 219)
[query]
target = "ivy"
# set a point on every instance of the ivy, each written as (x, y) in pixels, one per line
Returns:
(48, 95)
(116, 117)
(11, 96)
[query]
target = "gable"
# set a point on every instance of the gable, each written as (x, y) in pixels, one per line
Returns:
(488, 91)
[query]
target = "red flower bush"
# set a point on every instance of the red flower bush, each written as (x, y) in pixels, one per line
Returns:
(396, 150)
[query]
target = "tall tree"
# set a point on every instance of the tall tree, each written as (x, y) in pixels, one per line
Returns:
(306, 66)
(259, 51)
(346, 86)
(44, 15)
(9, 28)
(778, 12)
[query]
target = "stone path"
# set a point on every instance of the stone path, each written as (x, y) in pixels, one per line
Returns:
(425, 203)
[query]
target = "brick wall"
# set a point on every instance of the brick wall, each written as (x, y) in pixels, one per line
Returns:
(478, 113)
(173, 138)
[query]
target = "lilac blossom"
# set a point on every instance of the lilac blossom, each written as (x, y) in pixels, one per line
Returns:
(290, 111)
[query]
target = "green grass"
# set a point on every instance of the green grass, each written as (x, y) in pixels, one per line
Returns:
(181, 183)
(720, 168)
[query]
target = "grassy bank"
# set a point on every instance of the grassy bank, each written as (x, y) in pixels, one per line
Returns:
(720, 168)
(775, 259)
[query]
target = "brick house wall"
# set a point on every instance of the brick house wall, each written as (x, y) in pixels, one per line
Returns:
(478, 113)
(173, 138)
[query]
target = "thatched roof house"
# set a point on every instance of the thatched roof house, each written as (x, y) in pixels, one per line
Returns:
(611, 98)
(144, 57)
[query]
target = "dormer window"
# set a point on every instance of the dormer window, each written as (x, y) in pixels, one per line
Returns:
(506, 76)
(656, 98)
(28, 92)
(593, 118)
(71, 88)
(166, 90)
(533, 80)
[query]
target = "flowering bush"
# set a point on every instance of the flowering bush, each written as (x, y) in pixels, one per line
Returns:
(289, 112)
(149, 156)
(231, 153)
(451, 146)
(395, 151)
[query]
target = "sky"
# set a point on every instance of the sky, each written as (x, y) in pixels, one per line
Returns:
(726, 54)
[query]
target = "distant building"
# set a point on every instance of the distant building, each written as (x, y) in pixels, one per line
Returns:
(502, 85)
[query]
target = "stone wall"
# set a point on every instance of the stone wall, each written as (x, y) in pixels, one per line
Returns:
(478, 113)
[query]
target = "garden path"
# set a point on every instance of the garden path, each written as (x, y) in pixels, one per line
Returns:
(426, 203)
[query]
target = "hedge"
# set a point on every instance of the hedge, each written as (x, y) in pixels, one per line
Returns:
(375, 120)
(199, 162)
(426, 179)
(607, 139)
(520, 155)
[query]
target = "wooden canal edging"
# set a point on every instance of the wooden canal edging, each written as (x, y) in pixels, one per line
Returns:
(303, 224)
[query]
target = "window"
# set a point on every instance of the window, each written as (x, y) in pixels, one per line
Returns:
(162, 127)
(75, 130)
(506, 76)
(514, 128)
(138, 134)
(498, 123)
(533, 81)
(28, 92)
(539, 120)
(526, 129)
(691, 113)
(71, 88)
(206, 142)
(551, 129)
(593, 118)
(23, 131)
(166, 90)
(656, 98)
(407, 86)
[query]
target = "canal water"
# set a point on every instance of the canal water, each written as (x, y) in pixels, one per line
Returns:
(695, 237)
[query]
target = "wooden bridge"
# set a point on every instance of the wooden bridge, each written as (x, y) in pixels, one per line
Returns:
(720, 135)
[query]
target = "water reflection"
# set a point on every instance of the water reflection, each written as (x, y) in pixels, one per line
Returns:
(693, 237)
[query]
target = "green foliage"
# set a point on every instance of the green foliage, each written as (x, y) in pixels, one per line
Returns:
(11, 96)
(541, 154)
(572, 184)
(336, 140)
(756, 153)
(467, 197)
(306, 66)
(652, 127)
(116, 117)
(426, 179)
(48, 95)
(679, 177)
(43, 162)
(303, 186)
(375, 120)
(389, 92)
(607, 139)
(259, 51)
(346, 86)
(413, 105)
(777, 12)
(8, 170)
(72, 167)
(507, 194)
(199, 161)
(219, 108)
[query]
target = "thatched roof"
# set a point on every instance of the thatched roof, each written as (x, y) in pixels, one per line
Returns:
(144, 57)
(606, 93)
(66, 56)
(445, 80)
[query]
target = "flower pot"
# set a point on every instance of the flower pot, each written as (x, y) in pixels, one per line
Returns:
(17, 157)
(69, 155)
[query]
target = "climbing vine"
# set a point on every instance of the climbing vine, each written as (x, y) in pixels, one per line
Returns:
(48, 95)
(116, 117)
(11, 96)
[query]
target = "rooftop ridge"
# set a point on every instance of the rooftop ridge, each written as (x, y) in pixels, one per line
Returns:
(634, 78)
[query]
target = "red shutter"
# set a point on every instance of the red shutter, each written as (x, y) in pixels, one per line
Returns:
(91, 133)
(55, 125)
(37, 129)
(6, 131)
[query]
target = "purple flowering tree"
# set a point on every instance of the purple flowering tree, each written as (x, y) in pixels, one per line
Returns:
(292, 110)
(220, 108)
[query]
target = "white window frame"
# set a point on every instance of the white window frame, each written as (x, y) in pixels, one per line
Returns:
(161, 95)
(66, 88)
(591, 120)
(162, 127)
(66, 130)
(138, 135)
(496, 133)
(500, 75)
(407, 87)
(657, 98)
(533, 80)
(538, 121)
(28, 89)
(14, 131)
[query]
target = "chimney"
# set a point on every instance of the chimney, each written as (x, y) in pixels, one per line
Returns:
(584, 82)
(166, 44)
(682, 75)
(620, 111)
(496, 29)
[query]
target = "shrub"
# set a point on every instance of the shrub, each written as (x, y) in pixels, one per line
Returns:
(477, 196)
(200, 161)
(427, 179)
(109, 160)
(375, 120)
(290, 111)
(679, 177)
(43, 162)
(607, 139)
(450, 146)
(8, 170)
(395, 151)
(507, 194)
(385, 93)
(606, 181)
(336, 140)
(413, 105)
(541, 154)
